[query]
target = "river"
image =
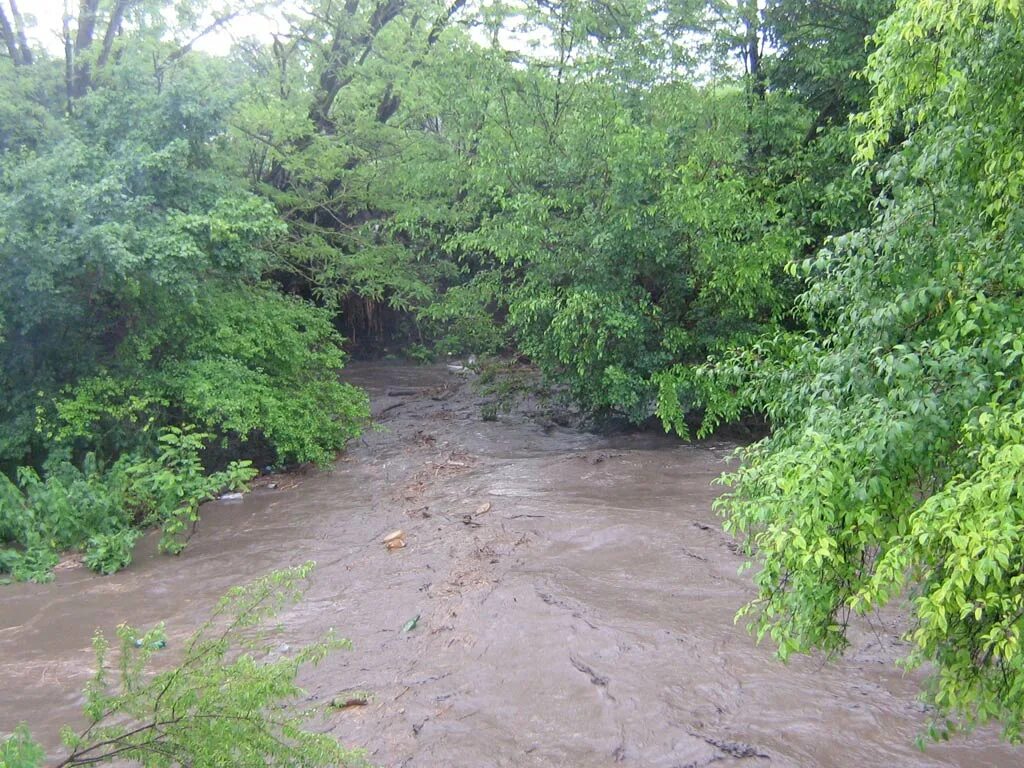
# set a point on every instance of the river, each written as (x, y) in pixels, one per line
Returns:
(584, 620)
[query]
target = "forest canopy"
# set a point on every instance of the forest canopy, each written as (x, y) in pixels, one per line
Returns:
(681, 211)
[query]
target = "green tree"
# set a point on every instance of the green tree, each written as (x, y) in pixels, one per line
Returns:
(333, 132)
(621, 208)
(136, 296)
(134, 291)
(895, 464)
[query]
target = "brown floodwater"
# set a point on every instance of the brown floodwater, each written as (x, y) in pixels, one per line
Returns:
(585, 620)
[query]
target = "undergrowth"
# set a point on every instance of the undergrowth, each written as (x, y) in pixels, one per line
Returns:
(102, 511)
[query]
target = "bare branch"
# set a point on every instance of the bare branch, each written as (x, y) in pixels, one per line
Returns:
(213, 26)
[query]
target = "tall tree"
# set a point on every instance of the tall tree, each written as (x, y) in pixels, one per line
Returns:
(895, 465)
(133, 294)
(324, 137)
(15, 38)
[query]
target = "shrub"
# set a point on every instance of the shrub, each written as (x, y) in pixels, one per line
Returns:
(102, 511)
(108, 553)
(171, 487)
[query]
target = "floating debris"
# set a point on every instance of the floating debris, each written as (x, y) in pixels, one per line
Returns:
(349, 699)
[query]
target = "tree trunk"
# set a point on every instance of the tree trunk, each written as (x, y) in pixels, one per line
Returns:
(19, 28)
(80, 76)
(8, 34)
(69, 65)
(752, 47)
(14, 35)
(116, 17)
(341, 56)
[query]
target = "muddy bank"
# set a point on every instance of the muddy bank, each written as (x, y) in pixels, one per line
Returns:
(584, 620)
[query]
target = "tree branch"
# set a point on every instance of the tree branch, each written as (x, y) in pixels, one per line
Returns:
(113, 27)
(19, 31)
(331, 79)
(213, 26)
(8, 34)
(442, 22)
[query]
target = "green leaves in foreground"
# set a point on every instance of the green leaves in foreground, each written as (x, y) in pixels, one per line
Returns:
(965, 546)
(227, 702)
(20, 751)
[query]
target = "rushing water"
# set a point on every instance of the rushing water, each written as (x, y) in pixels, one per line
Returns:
(586, 619)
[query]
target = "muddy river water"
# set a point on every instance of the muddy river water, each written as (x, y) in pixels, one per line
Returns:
(584, 620)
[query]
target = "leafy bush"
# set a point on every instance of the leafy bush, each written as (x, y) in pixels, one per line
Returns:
(71, 503)
(19, 750)
(641, 232)
(462, 318)
(603, 345)
(134, 293)
(108, 553)
(170, 488)
(895, 467)
(101, 511)
(35, 562)
(41, 517)
(225, 702)
(239, 361)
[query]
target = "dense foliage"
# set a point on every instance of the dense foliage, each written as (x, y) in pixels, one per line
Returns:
(686, 209)
(136, 300)
(133, 291)
(100, 512)
(896, 459)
